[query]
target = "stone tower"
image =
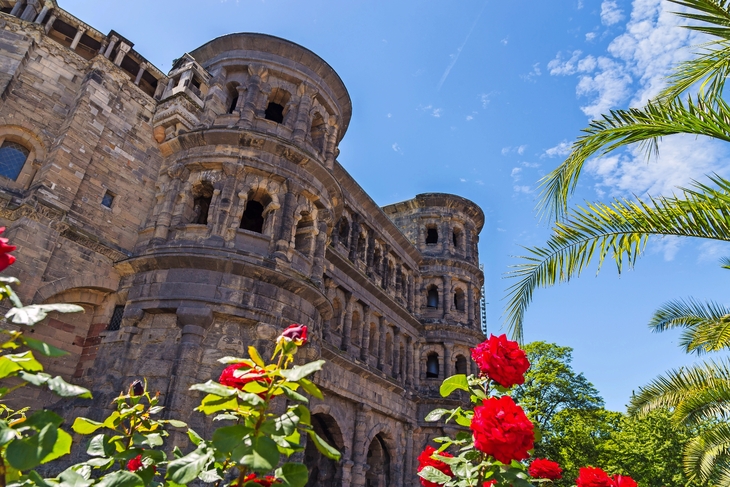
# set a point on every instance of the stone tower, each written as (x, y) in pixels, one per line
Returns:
(200, 211)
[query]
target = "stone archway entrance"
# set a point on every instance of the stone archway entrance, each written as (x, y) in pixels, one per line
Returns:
(378, 473)
(324, 472)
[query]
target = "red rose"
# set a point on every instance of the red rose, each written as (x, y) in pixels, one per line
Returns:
(593, 477)
(135, 464)
(229, 377)
(489, 483)
(501, 360)
(542, 468)
(623, 481)
(267, 481)
(296, 333)
(5, 258)
(502, 430)
(425, 460)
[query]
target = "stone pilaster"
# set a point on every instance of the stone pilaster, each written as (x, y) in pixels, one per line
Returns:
(359, 447)
(347, 326)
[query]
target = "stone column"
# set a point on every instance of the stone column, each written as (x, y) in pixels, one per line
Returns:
(467, 242)
(409, 361)
(77, 37)
(417, 365)
(330, 287)
(49, 24)
(112, 42)
(365, 337)
(381, 343)
(15, 12)
(448, 361)
(284, 234)
(169, 196)
(142, 68)
(354, 237)
(123, 50)
(396, 369)
(447, 298)
(347, 327)
(31, 10)
(306, 93)
(320, 246)
(359, 447)
(258, 74)
(470, 304)
(330, 142)
(194, 323)
(44, 11)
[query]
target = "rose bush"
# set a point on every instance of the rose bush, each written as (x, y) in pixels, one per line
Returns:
(542, 468)
(426, 459)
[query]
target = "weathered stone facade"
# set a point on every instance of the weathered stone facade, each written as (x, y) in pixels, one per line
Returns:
(194, 213)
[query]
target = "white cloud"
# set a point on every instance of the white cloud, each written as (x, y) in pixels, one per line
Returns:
(515, 174)
(610, 85)
(590, 36)
(711, 252)
(522, 189)
(668, 246)
(462, 180)
(469, 118)
(389, 115)
(610, 12)
(505, 150)
(536, 71)
(397, 148)
(504, 41)
(484, 98)
(530, 164)
(479, 182)
(521, 149)
(562, 149)
(682, 159)
(437, 112)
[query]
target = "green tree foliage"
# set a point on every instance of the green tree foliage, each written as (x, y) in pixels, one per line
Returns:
(552, 385)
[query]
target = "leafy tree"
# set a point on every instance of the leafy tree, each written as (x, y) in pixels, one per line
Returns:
(699, 395)
(552, 385)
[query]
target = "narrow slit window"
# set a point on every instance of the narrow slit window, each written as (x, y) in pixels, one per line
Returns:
(116, 320)
(432, 366)
(108, 199)
(432, 298)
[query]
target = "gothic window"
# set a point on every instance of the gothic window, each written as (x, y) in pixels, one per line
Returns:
(253, 217)
(12, 159)
(202, 197)
(432, 366)
(460, 364)
(432, 235)
(432, 298)
(459, 300)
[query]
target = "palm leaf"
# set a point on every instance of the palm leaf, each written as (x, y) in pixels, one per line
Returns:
(707, 324)
(714, 13)
(705, 456)
(625, 127)
(710, 68)
(622, 229)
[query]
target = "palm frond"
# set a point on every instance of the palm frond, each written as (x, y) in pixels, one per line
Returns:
(709, 68)
(621, 228)
(625, 127)
(715, 14)
(705, 455)
(725, 262)
(707, 324)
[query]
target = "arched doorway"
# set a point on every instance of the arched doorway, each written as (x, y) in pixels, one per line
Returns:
(378, 474)
(324, 472)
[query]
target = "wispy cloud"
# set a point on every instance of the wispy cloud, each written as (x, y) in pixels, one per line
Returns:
(455, 57)
(536, 71)
(430, 109)
(485, 99)
(397, 148)
(520, 149)
(611, 13)
(562, 149)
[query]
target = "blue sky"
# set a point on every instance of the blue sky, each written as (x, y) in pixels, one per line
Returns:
(481, 98)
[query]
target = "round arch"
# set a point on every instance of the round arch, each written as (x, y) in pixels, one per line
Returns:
(322, 471)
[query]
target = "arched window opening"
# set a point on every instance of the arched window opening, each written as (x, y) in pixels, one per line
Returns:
(361, 246)
(432, 235)
(344, 231)
(378, 472)
(457, 238)
(12, 159)
(233, 97)
(432, 366)
(253, 217)
(318, 132)
(373, 338)
(234, 103)
(377, 261)
(304, 235)
(336, 316)
(322, 471)
(202, 197)
(355, 331)
(274, 112)
(432, 298)
(459, 300)
(460, 364)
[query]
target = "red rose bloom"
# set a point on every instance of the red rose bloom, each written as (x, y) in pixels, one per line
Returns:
(502, 430)
(623, 481)
(296, 333)
(501, 360)
(267, 481)
(593, 477)
(542, 468)
(425, 460)
(5, 258)
(250, 374)
(135, 464)
(489, 483)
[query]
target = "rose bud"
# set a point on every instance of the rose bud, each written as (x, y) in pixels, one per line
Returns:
(295, 333)
(137, 388)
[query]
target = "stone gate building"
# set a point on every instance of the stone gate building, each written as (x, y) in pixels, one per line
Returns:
(196, 212)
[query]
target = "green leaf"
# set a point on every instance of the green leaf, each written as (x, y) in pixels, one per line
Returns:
(101, 446)
(121, 478)
(310, 388)
(176, 423)
(7, 433)
(72, 478)
(56, 384)
(436, 414)
(212, 387)
(39, 419)
(60, 448)
(8, 367)
(261, 455)
(152, 440)
(434, 475)
(27, 453)
(254, 354)
(210, 476)
(293, 474)
(186, 469)
(229, 437)
(213, 403)
(324, 447)
(195, 438)
(33, 313)
(43, 347)
(84, 426)
(454, 383)
(294, 396)
(299, 372)
(287, 423)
